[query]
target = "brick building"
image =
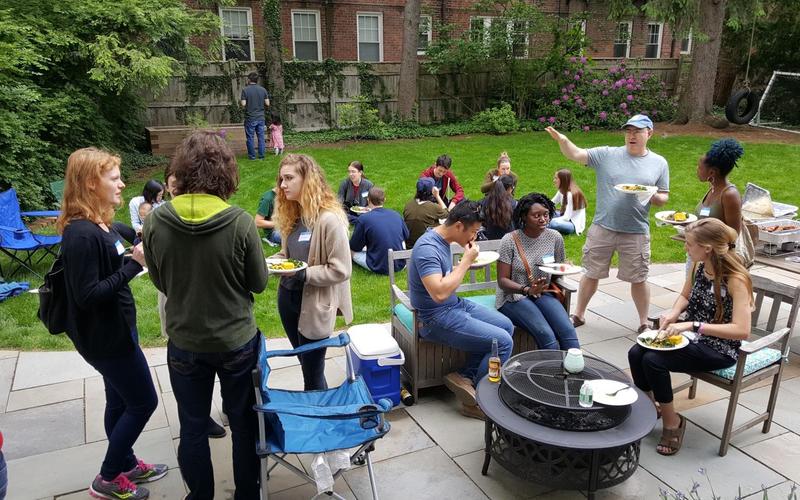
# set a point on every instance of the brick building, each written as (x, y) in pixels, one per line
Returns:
(371, 30)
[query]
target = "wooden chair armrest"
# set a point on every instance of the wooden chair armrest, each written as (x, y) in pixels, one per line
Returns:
(566, 284)
(402, 297)
(763, 342)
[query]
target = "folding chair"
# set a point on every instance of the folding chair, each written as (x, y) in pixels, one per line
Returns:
(293, 422)
(17, 241)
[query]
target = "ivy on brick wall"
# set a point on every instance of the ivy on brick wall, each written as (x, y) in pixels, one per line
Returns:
(198, 85)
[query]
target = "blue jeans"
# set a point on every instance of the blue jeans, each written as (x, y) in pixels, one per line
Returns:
(471, 328)
(130, 401)
(311, 363)
(3, 476)
(250, 128)
(192, 376)
(544, 318)
(562, 226)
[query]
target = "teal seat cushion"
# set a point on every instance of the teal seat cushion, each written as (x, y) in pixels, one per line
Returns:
(756, 361)
(407, 319)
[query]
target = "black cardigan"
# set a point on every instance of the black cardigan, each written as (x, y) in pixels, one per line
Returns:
(101, 312)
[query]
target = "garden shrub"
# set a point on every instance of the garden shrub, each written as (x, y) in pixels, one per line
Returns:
(581, 98)
(499, 120)
(363, 118)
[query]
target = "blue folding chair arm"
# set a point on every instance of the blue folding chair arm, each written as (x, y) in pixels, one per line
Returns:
(41, 213)
(334, 412)
(340, 340)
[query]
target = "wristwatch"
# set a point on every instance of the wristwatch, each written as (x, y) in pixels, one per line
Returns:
(696, 326)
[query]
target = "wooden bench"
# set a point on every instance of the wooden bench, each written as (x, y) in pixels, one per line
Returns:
(427, 362)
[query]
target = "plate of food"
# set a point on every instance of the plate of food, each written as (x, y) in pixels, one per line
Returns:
(635, 188)
(647, 339)
(675, 218)
(485, 258)
(560, 268)
(284, 266)
(612, 392)
(358, 209)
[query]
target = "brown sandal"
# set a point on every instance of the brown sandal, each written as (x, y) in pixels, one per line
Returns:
(576, 321)
(672, 439)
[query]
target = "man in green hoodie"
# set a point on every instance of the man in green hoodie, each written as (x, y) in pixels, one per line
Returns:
(206, 257)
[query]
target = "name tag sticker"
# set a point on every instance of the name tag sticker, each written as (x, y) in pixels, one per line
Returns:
(119, 247)
(705, 211)
(548, 259)
(364, 194)
(305, 236)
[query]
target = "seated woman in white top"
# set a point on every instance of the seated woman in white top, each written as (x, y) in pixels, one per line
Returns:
(153, 193)
(572, 213)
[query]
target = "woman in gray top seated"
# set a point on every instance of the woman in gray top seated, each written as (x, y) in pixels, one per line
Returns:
(354, 190)
(523, 297)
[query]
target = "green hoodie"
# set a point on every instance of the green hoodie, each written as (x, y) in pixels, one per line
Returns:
(206, 257)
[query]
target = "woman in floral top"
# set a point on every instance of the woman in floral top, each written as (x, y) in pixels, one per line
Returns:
(718, 300)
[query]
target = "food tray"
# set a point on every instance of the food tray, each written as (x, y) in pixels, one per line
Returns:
(778, 238)
(753, 194)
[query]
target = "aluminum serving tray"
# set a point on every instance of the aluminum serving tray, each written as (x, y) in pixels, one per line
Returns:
(782, 237)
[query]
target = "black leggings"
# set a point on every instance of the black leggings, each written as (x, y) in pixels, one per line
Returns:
(650, 369)
(312, 363)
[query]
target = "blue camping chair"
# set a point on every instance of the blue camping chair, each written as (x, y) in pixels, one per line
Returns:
(17, 241)
(341, 418)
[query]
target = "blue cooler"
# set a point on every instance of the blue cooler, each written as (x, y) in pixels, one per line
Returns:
(377, 358)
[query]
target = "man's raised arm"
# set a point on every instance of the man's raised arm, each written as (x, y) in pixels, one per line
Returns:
(568, 149)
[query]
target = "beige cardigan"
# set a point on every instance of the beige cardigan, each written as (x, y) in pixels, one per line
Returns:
(327, 287)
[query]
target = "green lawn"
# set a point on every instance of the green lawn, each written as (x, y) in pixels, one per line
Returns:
(395, 166)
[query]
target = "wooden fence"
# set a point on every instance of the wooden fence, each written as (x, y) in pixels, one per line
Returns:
(441, 97)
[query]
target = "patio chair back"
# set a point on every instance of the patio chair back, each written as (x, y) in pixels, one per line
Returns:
(16, 238)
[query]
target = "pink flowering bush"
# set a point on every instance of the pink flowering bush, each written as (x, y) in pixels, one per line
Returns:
(584, 98)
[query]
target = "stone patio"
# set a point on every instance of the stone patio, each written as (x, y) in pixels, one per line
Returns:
(51, 407)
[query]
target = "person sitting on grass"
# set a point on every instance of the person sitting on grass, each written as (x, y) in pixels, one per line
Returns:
(448, 319)
(379, 230)
(444, 179)
(498, 208)
(266, 207)
(503, 168)
(425, 210)
(152, 193)
(571, 218)
(353, 191)
(717, 299)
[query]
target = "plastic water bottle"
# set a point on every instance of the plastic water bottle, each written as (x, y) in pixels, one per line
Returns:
(586, 396)
(494, 363)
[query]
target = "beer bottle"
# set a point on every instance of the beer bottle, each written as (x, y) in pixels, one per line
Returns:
(494, 363)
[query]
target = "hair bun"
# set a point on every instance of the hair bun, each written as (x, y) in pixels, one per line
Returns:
(731, 246)
(726, 151)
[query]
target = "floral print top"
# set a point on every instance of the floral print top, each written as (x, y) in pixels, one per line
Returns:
(702, 307)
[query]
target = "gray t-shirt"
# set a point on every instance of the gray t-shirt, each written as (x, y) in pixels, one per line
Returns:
(254, 94)
(619, 211)
(547, 246)
(298, 244)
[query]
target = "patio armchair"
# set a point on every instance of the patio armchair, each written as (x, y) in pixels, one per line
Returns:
(428, 362)
(757, 361)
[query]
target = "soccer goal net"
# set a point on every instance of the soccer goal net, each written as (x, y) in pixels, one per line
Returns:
(779, 106)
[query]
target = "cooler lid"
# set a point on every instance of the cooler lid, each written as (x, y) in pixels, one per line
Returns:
(372, 341)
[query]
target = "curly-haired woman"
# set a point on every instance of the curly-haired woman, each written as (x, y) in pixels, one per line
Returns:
(722, 200)
(314, 229)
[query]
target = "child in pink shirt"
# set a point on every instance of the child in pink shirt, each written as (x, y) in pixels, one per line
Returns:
(276, 134)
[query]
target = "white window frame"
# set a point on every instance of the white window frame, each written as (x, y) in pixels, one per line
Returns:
(487, 24)
(430, 33)
(379, 15)
(249, 26)
(319, 31)
(628, 41)
(660, 40)
(527, 41)
(691, 42)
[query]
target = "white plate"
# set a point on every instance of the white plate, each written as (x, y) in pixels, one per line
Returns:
(662, 216)
(357, 209)
(485, 258)
(650, 189)
(283, 271)
(602, 387)
(570, 269)
(649, 334)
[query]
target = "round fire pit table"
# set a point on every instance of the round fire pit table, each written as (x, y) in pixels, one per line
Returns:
(563, 459)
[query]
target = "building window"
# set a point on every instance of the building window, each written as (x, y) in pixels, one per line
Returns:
(652, 49)
(425, 34)
(237, 33)
(305, 35)
(686, 44)
(370, 37)
(518, 31)
(479, 28)
(622, 43)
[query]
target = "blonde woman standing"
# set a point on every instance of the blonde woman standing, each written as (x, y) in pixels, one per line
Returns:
(314, 227)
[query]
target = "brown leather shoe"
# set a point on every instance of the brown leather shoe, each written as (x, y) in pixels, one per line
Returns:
(462, 387)
(472, 411)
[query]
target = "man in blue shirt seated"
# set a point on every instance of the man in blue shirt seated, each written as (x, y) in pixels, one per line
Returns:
(379, 230)
(448, 319)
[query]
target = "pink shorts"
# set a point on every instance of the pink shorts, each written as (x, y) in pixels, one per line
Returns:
(633, 251)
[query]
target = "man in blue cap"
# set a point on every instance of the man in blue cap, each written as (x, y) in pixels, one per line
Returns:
(424, 211)
(621, 221)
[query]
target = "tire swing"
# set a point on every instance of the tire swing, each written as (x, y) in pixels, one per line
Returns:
(743, 104)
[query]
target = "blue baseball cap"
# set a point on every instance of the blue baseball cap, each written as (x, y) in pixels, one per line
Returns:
(425, 183)
(639, 121)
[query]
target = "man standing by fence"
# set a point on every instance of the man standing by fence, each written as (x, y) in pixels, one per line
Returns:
(254, 99)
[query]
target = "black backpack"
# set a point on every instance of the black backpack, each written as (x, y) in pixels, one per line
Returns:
(53, 299)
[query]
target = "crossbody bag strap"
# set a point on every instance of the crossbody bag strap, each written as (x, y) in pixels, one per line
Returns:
(523, 257)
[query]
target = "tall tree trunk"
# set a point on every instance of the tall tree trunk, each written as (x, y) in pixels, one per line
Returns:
(697, 98)
(409, 65)
(273, 58)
